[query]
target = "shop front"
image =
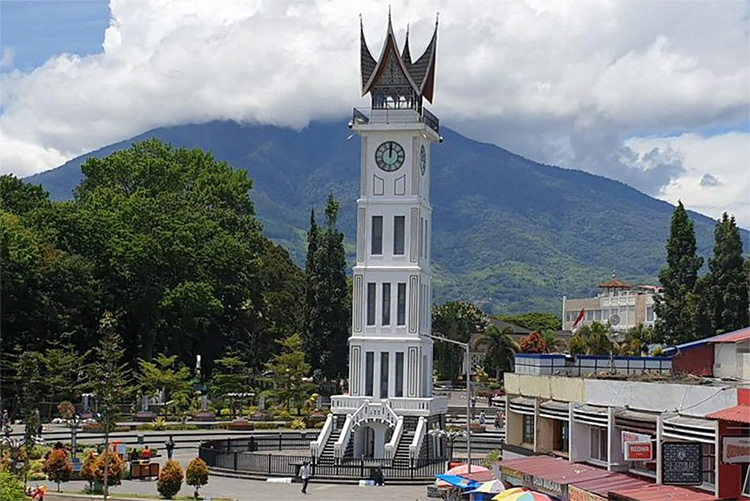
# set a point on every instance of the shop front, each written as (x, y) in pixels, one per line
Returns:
(547, 474)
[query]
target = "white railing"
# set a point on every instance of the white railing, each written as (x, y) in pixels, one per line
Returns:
(339, 448)
(416, 443)
(345, 404)
(419, 406)
(390, 447)
(316, 447)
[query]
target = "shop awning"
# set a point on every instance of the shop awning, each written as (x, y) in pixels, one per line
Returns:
(603, 485)
(653, 492)
(550, 474)
(635, 415)
(738, 414)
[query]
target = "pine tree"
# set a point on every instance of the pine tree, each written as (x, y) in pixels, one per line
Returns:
(675, 307)
(726, 281)
(289, 370)
(326, 299)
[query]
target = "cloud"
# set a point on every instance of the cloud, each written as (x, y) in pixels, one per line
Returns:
(710, 181)
(567, 83)
(7, 58)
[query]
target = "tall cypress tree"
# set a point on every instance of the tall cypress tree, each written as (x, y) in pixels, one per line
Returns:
(326, 302)
(727, 285)
(675, 307)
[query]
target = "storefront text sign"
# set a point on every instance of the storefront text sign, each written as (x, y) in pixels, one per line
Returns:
(631, 436)
(576, 494)
(639, 451)
(735, 450)
(547, 486)
(513, 477)
(682, 463)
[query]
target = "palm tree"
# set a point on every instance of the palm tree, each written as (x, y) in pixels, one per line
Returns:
(591, 340)
(554, 344)
(499, 348)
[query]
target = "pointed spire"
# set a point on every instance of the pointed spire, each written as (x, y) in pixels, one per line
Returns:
(406, 54)
(366, 61)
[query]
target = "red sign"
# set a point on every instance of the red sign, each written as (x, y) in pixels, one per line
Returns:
(639, 451)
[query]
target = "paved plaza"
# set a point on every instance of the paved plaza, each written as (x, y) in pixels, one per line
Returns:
(245, 490)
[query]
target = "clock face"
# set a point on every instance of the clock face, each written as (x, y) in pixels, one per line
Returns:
(389, 156)
(422, 160)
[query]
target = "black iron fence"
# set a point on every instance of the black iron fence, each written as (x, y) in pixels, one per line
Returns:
(260, 455)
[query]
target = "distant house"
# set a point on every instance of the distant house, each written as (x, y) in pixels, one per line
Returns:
(726, 356)
(622, 305)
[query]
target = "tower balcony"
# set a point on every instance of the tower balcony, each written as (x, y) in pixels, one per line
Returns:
(395, 115)
(402, 406)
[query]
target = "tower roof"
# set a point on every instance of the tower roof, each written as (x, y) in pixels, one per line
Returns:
(419, 74)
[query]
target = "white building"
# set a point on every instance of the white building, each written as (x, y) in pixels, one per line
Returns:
(390, 406)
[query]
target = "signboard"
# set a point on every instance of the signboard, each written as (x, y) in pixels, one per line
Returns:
(576, 494)
(682, 463)
(639, 451)
(513, 477)
(735, 450)
(546, 486)
(630, 436)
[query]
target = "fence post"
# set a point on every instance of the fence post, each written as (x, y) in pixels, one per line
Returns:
(279, 441)
(269, 464)
(362, 466)
(235, 461)
(411, 470)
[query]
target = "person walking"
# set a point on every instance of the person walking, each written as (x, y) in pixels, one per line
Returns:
(482, 417)
(169, 445)
(304, 474)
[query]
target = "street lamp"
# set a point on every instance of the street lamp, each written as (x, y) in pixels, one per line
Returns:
(465, 346)
(74, 423)
(449, 436)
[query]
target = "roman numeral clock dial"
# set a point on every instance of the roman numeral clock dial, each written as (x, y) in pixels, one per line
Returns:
(389, 156)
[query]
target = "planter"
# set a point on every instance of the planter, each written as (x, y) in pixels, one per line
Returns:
(240, 424)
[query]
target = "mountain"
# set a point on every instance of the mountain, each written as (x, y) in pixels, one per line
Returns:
(510, 234)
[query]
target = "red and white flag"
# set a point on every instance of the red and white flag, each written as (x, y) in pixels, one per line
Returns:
(579, 321)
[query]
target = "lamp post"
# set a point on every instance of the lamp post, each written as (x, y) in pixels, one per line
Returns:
(465, 346)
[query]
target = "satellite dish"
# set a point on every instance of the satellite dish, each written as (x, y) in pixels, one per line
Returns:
(614, 320)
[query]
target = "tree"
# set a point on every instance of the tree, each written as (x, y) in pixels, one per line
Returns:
(108, 470)
(326, 297)
(457, 320)
(534, 321)
(196, 474)
(674, 308)
(230, 375)
(636, 342)
(726, 285)
(11, 488)
(170, 479)
(288, 370)
(499, 347)
(64, 371)
(19, 197)
(591, 340)
(110, 381)
(164, 374)
(29, 381)
(533, 343)
(57, 467)
(88, 469)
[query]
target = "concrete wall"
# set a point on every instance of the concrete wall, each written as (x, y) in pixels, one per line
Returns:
(544, 435)
(513, 428)
(566, 389)
(692, 400)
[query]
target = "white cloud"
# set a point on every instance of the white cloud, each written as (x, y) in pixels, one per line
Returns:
(565, 82)
(7, 58)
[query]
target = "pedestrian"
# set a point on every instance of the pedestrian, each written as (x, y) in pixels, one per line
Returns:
(379, 478)
(497, 419)
(146, 454)
(304, 474)
(169, 444)
(482, 417)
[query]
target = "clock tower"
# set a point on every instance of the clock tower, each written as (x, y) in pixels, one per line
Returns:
(390, 406)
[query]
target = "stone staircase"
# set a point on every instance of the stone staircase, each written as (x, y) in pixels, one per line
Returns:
(328, 457)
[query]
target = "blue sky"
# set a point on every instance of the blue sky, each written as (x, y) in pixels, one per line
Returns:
(655, 94)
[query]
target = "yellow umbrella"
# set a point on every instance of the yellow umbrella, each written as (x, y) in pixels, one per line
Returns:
(508, 493)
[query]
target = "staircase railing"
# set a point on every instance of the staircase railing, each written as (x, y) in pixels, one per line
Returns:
(316, 447)
(416, 443)
(340, 446)
(390, 447)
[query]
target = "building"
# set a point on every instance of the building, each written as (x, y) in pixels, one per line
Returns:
(619, 414)
(390, 406)
(622, 305)
(726, 356)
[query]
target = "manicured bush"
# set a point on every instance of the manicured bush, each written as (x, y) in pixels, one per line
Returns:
(11, 488)
(58, 467)
(88, 469)
(196, 474)
(115, 469)
(266, 426)
(170, 480)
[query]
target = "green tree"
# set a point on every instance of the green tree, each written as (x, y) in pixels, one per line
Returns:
(64, 371)
(19, 197)
(591, 340)
(457, 320)
(500, 349)
(230, 375)
(327, 309)
(28, 370)
(164, 374)
(11, 488)
(636, 341)
(725, 282)
(110, 379)
(288, 370)
(675, 307)
(534, 321)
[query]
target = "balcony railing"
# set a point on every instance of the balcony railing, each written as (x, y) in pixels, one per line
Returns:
(361, 116)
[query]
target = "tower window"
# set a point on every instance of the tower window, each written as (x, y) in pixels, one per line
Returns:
(369, 372)
(399, 390)
(399, 223)
(371, 303)
(384, 374)
(386, 320)
(377, 235)
(401, 309)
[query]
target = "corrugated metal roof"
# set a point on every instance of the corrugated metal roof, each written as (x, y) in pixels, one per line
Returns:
(738, 414)
(653, 492)
(732, 337)
(690, 422)
(554, 405)
(555, 469)
(603, 485)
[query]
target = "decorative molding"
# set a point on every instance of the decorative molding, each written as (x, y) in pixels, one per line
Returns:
(363, 163)
(399, 185)
(378, 185)
(413, 302)
(361, 234)
(412, 363)
(415, 165)
(359, 290)
(414, 235)
(355, 362)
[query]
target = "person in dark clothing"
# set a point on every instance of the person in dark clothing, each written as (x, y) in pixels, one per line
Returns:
(169, 445)
(379, 478)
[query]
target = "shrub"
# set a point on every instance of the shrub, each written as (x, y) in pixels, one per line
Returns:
(170, 480)
(159, 424)
(11, 488)
(319, 426)
(196, 474)
(297, 424)
(57, 467)
(66, 409)
(266, 426)
(115, 468)
(491, 458)
(88, 469)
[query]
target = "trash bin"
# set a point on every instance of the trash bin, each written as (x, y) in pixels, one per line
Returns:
(140, 439)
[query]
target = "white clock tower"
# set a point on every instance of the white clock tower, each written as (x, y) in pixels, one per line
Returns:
(390, 406)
